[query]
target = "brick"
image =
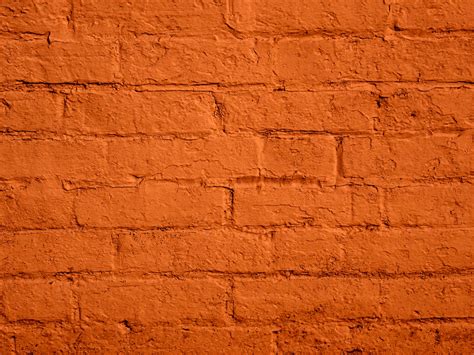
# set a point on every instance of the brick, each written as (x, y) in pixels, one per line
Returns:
(152, 204)
(428, 298)
(434, 15)
(112, 17)
(375, 338)
(121, 158)
(336, 111)
(443, 108)
(309, 250)
(302, 62)
(391, 251)
(168, 339)
(7, 343)
(270, 16)
(214, 157)
(46, 338)
(59, 62)
(207, 250)
(55, 251)
(308, 156)
(167, 300)
(131, 112)
(292, 205)
(35, 205)
(457, 337)
(30, 111)
(304, 300)
(415, 157)
(409, 250)
(196, 61)
(431, 205)
(34, 16)
(52, 158)
(37, 300)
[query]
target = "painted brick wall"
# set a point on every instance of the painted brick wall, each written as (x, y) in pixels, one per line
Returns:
(241, 176)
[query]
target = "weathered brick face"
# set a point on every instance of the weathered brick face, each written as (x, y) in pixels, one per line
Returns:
(236, 176)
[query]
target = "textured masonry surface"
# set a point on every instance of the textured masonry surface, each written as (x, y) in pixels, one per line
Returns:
(236, 176)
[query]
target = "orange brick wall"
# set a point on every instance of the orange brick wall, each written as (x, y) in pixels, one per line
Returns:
(240, 176)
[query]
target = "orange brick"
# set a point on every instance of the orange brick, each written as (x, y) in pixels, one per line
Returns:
(55, 251)
(302, 62)
(279, 16)
(59, 62)
(52, 158)
(431, 205)
(309, 157)
(434, 15)
(207, 250)
(309, 250)
(34, 16)
(457, 337)
(152, 204)
(441, 108)
(37, 300)
(35, 205)
(416, 157)
(196, 61)
(428, 298)
(112, 17)
(168, 339)
(305, 299)
(128, 112)
(296, 205)
(31, 111)
(7, 343)
(167, 300)
(46, 338)
(390, 251)
(336, 111)
(216, 157)
(376, 338)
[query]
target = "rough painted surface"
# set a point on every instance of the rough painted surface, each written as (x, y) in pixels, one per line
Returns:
(236, 176)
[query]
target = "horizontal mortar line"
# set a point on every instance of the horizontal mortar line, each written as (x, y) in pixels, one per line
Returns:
(324, 33)
(281, 323)
(207, 86)
(275, 325)
(248, 183)
(369, 226)
(339, 86)
(355, 228)
(369, 133)
(279, 275)
(296, 182)
(316, 33)
(286, 134)
(271, 326)
(210, 86)
(75, 325)
(241, 182)
(381, 321)
(219, 228)
(59, 136)
(399, 33)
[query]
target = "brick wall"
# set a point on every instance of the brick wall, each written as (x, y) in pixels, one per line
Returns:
(240, 176)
